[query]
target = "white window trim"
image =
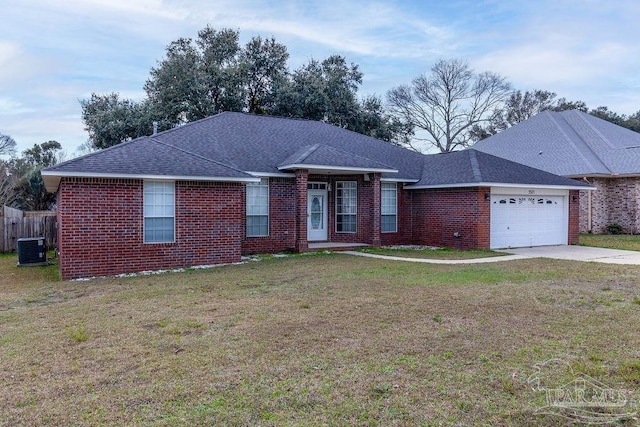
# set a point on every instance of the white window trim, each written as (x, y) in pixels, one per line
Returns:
(144, 217)
(355, 214)
(268, 215)
(395, 188)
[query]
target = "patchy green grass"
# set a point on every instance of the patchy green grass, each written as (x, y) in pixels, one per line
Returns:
(433, 253)
(630, 242)
(313, 340)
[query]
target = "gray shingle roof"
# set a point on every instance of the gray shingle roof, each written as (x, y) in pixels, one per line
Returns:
(471, 167)
(569, 143)
(230, 146)
(320, 154)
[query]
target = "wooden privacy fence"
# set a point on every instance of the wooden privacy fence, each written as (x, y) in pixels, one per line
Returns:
(31, 224)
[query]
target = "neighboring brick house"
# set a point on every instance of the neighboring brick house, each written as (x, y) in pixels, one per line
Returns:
(580, 146)
(232, 184)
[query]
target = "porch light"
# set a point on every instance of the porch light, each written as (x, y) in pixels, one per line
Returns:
(487, 196)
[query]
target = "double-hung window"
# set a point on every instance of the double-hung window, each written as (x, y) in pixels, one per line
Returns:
(389, 207)
(159, 211)
(346, 206)
(258, 208)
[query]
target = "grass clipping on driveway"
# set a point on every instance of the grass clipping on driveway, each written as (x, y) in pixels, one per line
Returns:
(311, 340)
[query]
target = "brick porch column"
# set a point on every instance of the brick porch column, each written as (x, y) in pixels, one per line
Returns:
(377, 215)
(302, 176)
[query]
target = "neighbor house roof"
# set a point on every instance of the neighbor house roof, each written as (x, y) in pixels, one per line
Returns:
(240, 147)
(472, 168)
(569, 143)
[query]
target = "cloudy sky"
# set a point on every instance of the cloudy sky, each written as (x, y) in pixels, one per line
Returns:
(54, 53)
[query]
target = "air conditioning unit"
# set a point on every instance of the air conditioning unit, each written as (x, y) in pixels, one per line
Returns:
(31, 251)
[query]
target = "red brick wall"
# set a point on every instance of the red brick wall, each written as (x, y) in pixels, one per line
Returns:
(364, 230)
(282, 215)
(616, 201)
(440, 213)
(404, 233)
(574, 217)
(101, 227)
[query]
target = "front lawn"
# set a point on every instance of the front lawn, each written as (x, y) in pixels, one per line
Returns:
(325, 339)
(630, 242)
(432, 253)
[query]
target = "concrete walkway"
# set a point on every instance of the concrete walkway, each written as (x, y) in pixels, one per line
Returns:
(572, 253)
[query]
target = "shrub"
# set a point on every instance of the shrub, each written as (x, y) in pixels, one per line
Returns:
(615, 229)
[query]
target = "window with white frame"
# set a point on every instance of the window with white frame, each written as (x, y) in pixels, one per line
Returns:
(258, 208)
(346, 206)
(389, 207)
(159, 211)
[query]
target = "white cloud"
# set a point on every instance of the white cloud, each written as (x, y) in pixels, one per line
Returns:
(365, 28)
(10, 107)
(17, 65)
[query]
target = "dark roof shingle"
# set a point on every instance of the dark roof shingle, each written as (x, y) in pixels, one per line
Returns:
(234, 146)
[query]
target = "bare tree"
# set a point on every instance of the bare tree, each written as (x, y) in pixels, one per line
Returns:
(7, 145)
(8, 184)
(445, 105)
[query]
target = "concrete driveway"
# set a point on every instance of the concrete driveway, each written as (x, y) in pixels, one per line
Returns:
(579, 253)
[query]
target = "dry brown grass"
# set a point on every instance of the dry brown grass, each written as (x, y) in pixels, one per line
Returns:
(310, 340)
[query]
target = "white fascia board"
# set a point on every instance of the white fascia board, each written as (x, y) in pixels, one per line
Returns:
(398, 180)
(602, 175)
(271, 174)
(496, 184)
(337, 168)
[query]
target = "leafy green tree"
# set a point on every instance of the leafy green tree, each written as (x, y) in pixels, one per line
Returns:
(213, 73)
(563, 105)
(31, 194)
(522, 106)
(605, 114)
(519, 107)
(110, 120)
(321, 90)
(372, 120)
(263, 67)
(633, 122)
(198, 78)
(445, 105)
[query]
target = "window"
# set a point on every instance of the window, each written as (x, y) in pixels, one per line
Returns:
(159, 211)
(346, 206)
(389, 207)
(258, 208)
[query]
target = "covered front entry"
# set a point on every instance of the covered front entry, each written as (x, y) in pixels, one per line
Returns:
(317, 203)
(529, 218)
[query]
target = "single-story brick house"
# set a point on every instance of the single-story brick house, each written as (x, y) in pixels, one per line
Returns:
(234, 183)
(580, 146)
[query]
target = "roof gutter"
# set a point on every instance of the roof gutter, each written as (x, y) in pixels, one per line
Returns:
(500, 184)
(52, 178)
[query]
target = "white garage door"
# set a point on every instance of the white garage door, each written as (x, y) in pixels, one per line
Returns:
(524, 220)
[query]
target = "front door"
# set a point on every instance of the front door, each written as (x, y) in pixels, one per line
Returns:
(316, 215)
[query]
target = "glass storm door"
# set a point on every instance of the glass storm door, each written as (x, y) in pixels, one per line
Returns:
(316, 215)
